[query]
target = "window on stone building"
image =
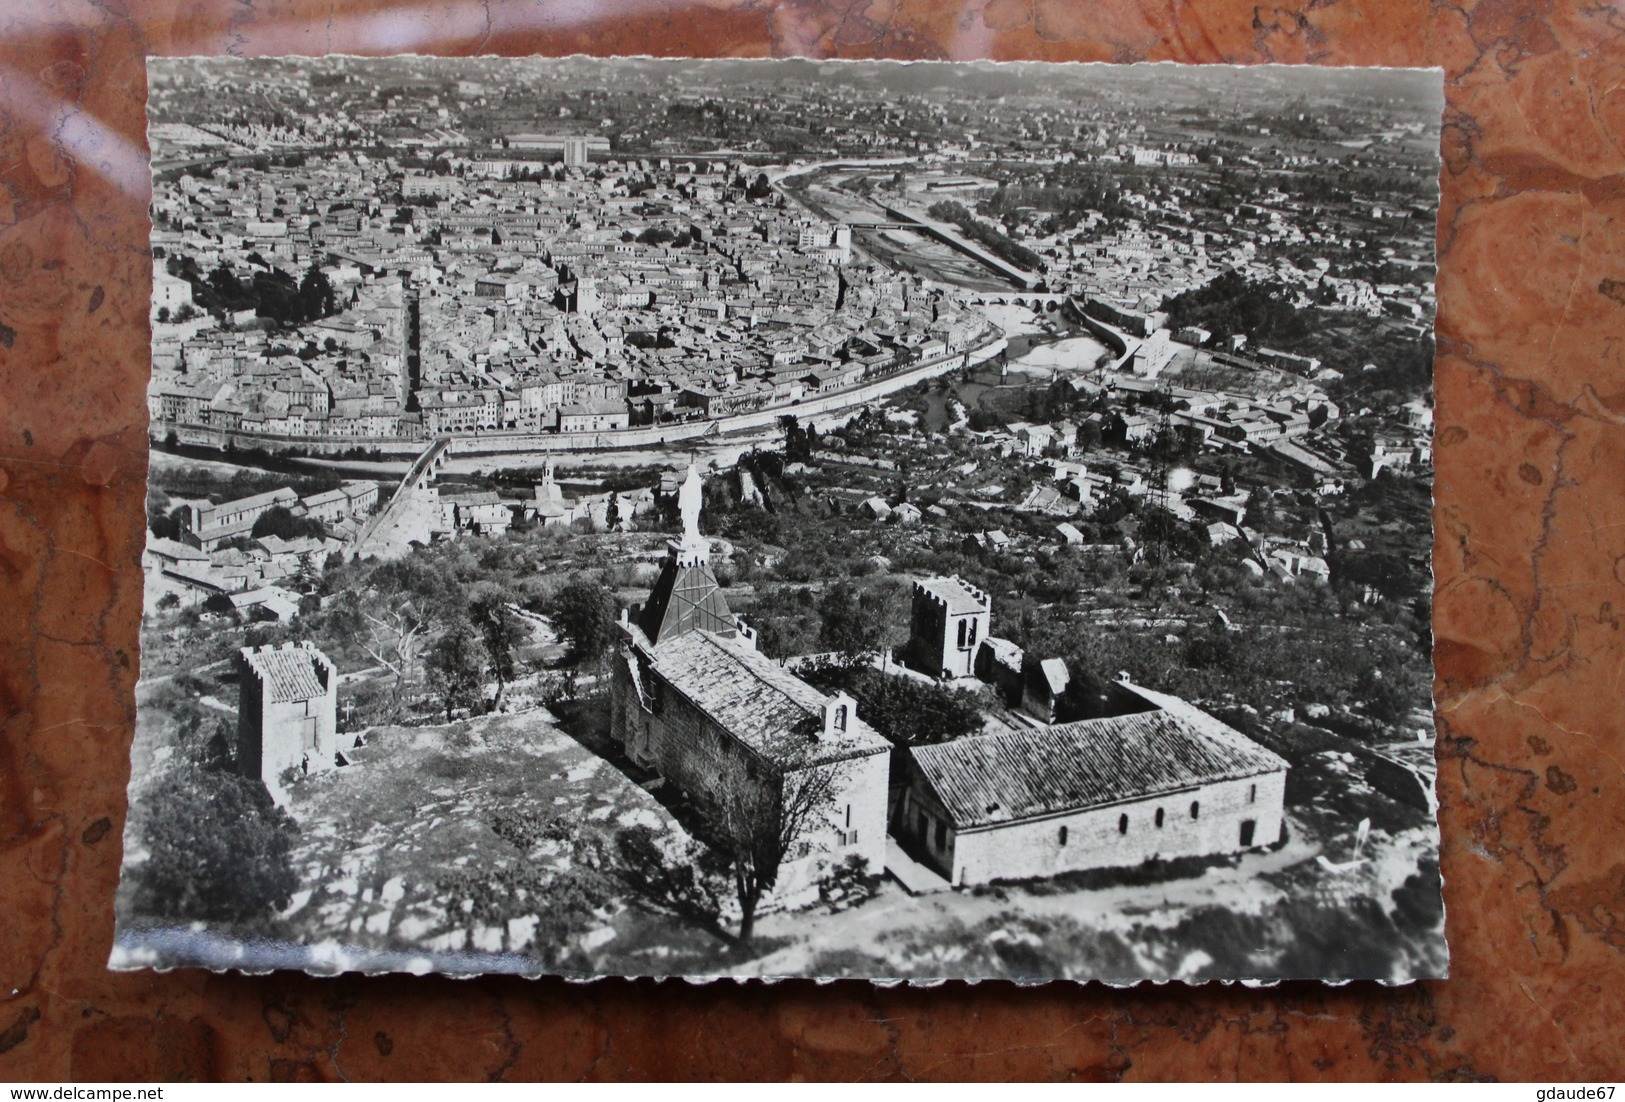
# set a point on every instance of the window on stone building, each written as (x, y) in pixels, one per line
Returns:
(961, 633)
(1063, 836)
(942, 835)
(1159, 816)
(1196, 808)
(1252, 794)
(1122, 824)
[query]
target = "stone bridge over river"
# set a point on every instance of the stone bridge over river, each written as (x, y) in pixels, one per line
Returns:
(411, 512)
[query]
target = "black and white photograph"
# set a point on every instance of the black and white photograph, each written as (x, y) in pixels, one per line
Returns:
(776, 518)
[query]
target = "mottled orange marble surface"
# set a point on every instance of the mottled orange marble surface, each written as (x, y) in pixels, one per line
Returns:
(1530, 559)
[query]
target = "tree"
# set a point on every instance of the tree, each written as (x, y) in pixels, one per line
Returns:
(847, 629)
(797, 446)
(1089, 436)
(1385, 571)
(223, 290)
(168, 525)
(426, 581)
(280, 522)
(275, 295)
(1382, 694)
(502, 632)
(218, 848)
(1231, 303)
(907, 712)
(759, 821)
(457, 664)
(392, 634)
(584, 613)
(946, 210)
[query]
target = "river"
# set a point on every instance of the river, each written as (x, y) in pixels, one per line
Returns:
(1034, 359)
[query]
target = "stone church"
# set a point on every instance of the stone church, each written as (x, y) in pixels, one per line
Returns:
(1143, 776)
(692, 698)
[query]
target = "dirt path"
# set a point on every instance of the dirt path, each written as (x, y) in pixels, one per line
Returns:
(893, 913)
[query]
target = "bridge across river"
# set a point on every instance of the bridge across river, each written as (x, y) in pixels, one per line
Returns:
(1033, 300)
(412, 510)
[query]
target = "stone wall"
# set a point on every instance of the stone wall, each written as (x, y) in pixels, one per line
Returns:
(1094, 838)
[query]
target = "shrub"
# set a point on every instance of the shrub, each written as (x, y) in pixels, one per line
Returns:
(219, 849)
(848, 884)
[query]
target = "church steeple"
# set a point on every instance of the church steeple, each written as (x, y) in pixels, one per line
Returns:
(686, 597)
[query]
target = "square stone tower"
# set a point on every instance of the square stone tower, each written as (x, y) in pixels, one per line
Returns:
(286, 712)
(948, 620)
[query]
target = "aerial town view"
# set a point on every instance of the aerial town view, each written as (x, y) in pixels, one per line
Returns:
(782, 518)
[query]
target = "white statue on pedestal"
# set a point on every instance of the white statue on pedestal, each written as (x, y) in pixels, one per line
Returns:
(688, 505)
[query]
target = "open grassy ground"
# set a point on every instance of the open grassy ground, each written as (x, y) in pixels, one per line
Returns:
(395, 849)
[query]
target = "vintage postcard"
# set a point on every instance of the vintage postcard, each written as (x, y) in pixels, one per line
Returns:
(779, 518)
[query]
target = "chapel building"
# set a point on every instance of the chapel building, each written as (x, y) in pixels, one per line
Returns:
(1135, 775)
(693, 699)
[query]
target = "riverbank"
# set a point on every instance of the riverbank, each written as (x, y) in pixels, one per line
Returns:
(717, 444)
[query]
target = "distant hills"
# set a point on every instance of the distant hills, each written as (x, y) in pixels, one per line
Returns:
(1250, 89)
